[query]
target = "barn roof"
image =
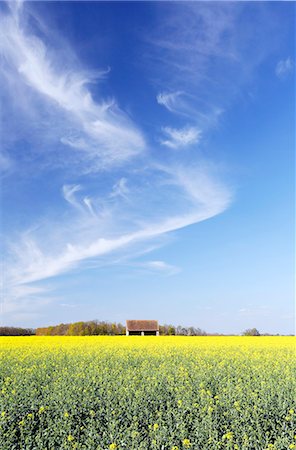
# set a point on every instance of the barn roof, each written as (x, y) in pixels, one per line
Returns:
(142, 325)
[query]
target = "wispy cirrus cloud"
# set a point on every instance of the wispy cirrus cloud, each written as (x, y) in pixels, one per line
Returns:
(199, 45)
(120, 189)
(284, 67)
(96, 217)
(205, 58)
(83, 204)
(93, 127)
(69, 191)
(199, 115)
(188, 46)
(193, 193)
(161, 267)
(180, 138)
(171, 101)
(89, 204)
(191, 48)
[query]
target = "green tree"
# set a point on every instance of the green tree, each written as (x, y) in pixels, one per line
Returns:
(251, 332)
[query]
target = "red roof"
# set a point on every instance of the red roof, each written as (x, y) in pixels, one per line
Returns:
(142, 325)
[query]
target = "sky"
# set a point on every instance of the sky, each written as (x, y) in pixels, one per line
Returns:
(147, 163)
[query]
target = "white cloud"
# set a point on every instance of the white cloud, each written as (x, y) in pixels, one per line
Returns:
(190, 55)
(183, 104)
(284, 67)
(88, 202)
(83, 205)
(170, 100)
(120, 189)
(160, 266)
(23, 301)
(200, 59)
(192, 192)
(94, 127)
(113, 212)
(182, 137)
(69, 194)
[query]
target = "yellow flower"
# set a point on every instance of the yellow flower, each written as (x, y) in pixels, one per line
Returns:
(228, 435)
(41, 409)
(187, 443)
(155, 426)
(175, 447)
(112, 446)
(70, 438)
(291, 411)
(66, 414)
(292, 446)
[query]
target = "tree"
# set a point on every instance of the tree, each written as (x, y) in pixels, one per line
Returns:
(251, 332)
(171, 330)
(15, 331)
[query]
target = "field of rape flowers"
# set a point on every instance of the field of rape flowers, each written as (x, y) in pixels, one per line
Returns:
(146, 393)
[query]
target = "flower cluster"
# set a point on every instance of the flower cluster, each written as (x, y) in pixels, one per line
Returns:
(171, 393)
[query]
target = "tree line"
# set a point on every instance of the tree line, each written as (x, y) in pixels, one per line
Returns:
(102, 328)
(15, 331)
(97, 328)
(90, 328)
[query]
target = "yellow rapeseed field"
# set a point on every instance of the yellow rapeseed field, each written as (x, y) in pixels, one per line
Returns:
(166, 393)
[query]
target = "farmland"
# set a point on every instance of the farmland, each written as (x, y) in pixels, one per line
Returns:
(166, 393)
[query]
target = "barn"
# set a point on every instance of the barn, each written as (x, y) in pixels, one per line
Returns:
(142, 327)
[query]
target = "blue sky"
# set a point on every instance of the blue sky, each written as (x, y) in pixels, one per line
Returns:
(147, 163)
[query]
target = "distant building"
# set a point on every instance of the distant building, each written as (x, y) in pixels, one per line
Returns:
(142, 327)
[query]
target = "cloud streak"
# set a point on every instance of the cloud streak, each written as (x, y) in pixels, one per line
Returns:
(88, 202)
(93, 127)
(69, 194)
(196, 194)
(180, 138)
(160, 267)
(170, 100)
(284, 67)
(126, 197)
(206, 58)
